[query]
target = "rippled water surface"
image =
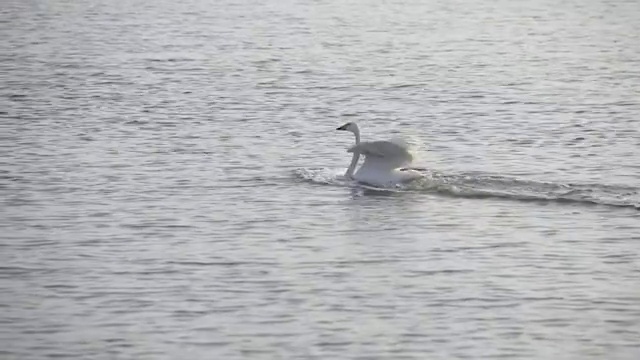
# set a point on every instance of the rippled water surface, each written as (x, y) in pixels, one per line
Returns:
(171, 180)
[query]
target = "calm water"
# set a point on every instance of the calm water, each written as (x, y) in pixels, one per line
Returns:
(170, 180)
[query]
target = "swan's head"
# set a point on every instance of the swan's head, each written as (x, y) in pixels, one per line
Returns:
(351, 127)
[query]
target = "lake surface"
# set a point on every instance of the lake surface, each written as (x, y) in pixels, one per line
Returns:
(171, 180)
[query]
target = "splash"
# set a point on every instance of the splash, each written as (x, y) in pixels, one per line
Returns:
(483, 186)
(322, 176)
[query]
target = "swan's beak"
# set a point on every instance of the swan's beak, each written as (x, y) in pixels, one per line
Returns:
(343, 127)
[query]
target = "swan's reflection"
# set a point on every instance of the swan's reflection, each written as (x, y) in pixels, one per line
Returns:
(359, 191)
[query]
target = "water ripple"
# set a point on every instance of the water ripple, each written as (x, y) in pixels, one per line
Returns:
(171, 181)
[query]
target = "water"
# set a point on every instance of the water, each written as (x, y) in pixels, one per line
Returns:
(171, 180)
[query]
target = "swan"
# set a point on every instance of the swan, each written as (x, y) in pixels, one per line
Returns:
(384, 161)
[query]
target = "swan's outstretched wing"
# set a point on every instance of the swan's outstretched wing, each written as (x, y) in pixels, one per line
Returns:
(384, 154)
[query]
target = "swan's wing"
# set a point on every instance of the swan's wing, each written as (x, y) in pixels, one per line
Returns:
(384, 154)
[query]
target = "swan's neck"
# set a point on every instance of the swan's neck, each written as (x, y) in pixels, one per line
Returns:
(352, 166)
(356, 156)
(356, 132)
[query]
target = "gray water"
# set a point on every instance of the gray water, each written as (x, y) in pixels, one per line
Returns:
(171, 180)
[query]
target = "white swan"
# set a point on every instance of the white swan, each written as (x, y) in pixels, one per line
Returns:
(384, 161)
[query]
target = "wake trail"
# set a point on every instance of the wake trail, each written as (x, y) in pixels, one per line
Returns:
(487, 186)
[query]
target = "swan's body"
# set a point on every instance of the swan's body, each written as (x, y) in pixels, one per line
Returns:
(384, 164)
